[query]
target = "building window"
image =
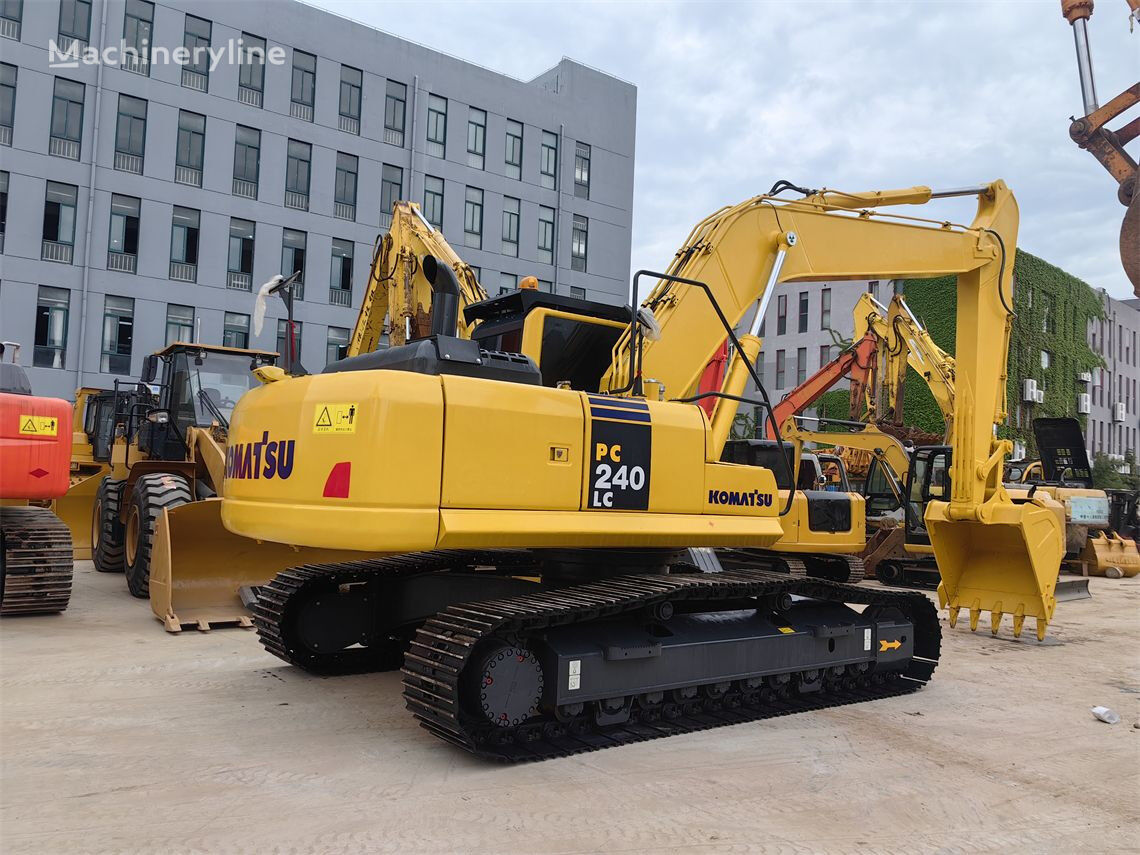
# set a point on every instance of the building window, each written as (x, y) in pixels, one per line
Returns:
(184, 245)
(825, 309)
(191, 148)
(511, 210)
(351, 84)
(297, 170)
(548, 161)
(395, 98)
(138, 24)
(7, 101)
(51, 328)
(514, 149)
(74, 23)
(293, 244)
(251, 70)
(3, 207)
(801, 365)
(545, 234)
(286, 347)
(781, 314)
(1047, 320)
(546, 285)
(247, 161)
(781, 370)
(391, 190)
(196, 39)
(579, 236)
(235, 330)
(304, 85)
(123, 237)
(477, 272)
(873, 288)
(179, 323)
(11, 13)
(240, 264)
(473, 218)
(1046, 359)
(344, 191)
(582, 170)
(508, 282)
(336, 345)
(59, 222)
(476, 138)
(66, 119)
(130, 134)
(433, 200)
(824, 354)
(803, 318)
(437, 126)
(118, 332)
(340, 278)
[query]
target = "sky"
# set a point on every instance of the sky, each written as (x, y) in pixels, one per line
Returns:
(852, 95)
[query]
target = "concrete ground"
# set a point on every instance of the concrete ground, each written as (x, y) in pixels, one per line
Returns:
(116, 737)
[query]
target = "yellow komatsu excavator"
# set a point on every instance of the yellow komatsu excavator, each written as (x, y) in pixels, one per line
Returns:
(535, 496)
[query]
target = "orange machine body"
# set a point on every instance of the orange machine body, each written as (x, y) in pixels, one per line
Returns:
(35, 447)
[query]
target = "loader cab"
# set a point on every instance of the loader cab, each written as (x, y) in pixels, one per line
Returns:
(570, 339)
(99, 420)
(198, 387)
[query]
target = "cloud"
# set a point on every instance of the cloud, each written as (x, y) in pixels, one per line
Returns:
(856, 95)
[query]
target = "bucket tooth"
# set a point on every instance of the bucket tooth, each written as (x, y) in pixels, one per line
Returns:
(953, 616)
(975, 613)
(995, 618)
(1018, 620)
(1042, 625)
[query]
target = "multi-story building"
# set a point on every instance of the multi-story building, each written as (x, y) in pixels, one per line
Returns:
(1113, 409)
(146, 197)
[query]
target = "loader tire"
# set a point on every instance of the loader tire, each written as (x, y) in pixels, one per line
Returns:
(152, 493)
(889, 573)
(106, 529)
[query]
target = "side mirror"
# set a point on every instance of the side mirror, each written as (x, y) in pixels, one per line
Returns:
(150, 368)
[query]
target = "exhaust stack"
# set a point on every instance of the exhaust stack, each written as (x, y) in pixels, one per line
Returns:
(444, 297)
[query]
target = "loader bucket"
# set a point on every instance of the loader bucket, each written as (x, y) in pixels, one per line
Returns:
(74, 508)
(1006, 565)
(1105, 549)
(197, 567)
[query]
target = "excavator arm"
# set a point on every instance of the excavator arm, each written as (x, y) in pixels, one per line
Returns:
(993, 554)
(397, 299)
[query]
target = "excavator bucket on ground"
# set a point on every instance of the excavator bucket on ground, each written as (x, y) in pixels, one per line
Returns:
(1006, 565)
(197, 583)
(1107, 551)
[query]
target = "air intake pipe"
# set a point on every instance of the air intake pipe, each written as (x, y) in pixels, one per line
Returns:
(444, 295)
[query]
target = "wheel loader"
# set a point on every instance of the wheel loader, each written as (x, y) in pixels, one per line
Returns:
(155, 514)
(538, 576)
(75, 506)
(35, 546)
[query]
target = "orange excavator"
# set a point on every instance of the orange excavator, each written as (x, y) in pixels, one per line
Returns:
(1091, 132)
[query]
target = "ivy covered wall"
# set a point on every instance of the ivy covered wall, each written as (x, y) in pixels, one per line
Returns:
(1053, 310)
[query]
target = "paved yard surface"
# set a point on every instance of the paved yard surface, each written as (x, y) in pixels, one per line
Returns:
(118, 737)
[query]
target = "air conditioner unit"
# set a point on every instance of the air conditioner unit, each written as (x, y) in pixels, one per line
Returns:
(1085, 377)
(1084, 403)
(1018, 450)
(1118, 412)
(1029, 391)
(1040, 396)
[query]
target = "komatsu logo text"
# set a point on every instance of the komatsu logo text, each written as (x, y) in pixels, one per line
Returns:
(753, 499)
(261, 459)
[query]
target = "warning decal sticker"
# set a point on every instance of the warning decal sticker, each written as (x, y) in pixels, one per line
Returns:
(39, 425)
(335, 418)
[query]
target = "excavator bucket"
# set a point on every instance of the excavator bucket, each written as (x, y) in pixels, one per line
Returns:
(198, 568)
(1007, 564)
(1106, 552)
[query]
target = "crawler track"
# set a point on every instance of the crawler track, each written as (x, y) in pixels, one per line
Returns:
(37, 561)
(434, 667)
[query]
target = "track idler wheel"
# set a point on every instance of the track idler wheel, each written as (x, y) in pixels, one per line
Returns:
(151, 495)
(106, 530)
